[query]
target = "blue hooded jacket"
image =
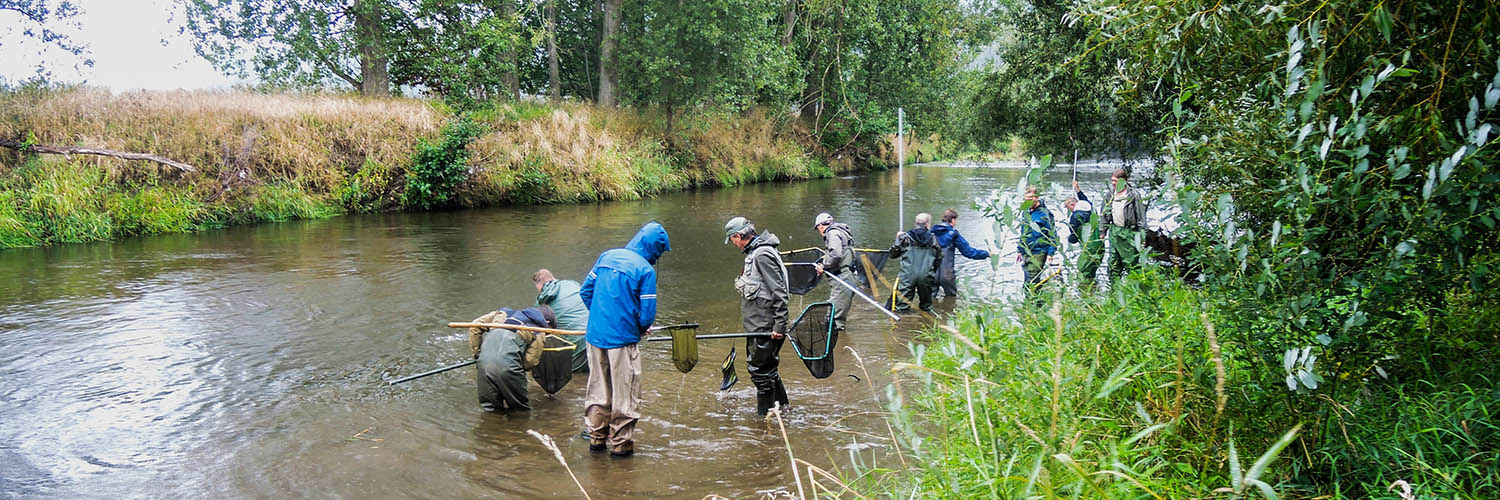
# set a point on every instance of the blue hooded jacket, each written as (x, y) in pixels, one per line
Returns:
(1037, 234)
(949, 239)
(620, 290)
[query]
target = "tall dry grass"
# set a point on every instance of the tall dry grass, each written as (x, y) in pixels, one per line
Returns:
(274, 157)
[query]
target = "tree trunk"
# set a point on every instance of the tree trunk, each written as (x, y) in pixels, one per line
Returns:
(607, 53)
(554, 74)
(375, 80)
(788, 22)
(509, 59)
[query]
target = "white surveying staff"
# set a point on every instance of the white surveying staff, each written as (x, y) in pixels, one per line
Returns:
(900, 168)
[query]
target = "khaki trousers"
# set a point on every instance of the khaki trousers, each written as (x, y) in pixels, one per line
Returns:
(614, 394)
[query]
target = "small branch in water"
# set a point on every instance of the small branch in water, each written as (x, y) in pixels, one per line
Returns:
(74, 150)
(361, 435)
(547, 441)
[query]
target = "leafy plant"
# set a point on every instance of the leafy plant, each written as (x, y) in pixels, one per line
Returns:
(438, 168)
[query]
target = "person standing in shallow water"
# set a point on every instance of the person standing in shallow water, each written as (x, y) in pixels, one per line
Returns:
(620, 292)
(918, 251)
(762, 286)
(950, 241)
(838, 259)
(562, 297)
(1084, 233)
(1125, 221)
(1038, 241)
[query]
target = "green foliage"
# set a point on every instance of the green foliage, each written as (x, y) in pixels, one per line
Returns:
(154, 210)
(1109, 396)
(369, 189)
(284, 201)
(438, 168)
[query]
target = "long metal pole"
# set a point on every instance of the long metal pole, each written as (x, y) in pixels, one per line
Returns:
(900, 168)
(711, 336)
(861, 295)
(1075, 165)
(433, 372)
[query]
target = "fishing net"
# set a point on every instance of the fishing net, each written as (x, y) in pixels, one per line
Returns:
(876, 260)
(555, 368)
(814, 339)
(685, 349)
(801, 276)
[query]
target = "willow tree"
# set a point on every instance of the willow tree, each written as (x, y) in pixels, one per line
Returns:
(298, 43)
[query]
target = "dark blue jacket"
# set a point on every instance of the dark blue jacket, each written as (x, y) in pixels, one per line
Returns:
(1037, 234)
(949, 239)
(620, 290)
(1077, 219)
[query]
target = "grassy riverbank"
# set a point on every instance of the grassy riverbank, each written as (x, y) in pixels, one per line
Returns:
(1151, 391)
(277, 157)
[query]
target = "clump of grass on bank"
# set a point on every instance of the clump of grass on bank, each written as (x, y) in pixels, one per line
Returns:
(1139, 393)
(278, 157)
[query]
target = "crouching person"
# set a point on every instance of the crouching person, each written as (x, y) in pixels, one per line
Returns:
(505, 355)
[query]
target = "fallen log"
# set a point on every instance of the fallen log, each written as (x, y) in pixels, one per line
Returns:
(73, 150)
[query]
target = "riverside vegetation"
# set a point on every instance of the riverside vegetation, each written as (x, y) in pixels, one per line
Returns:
(279, 157)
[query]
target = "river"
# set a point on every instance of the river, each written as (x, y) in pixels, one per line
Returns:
(253, 361)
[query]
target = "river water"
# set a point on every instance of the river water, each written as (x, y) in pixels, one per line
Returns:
(253, 361)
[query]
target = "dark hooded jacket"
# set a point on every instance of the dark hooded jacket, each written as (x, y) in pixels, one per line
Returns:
(918, 250)
(763, 286)
(620, 290)
(1038, 236)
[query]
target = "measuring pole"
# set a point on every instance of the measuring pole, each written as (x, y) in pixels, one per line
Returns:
(900, 168)
(1075, 165)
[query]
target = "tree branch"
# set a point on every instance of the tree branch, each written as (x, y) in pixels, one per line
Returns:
(68, 151)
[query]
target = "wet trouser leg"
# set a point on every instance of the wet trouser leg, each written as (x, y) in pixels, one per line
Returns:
(499, 375)
(1123, 254)
(614, 393)
(1088, 263)
(947, 277)
(1033, 270)
(763, 360)
(924, 288)
(842, 298)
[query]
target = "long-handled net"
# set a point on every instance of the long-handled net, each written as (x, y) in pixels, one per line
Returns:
(814, 339)
(803, 278)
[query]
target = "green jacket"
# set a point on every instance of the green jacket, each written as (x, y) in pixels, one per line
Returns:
(562, 297)
(918, 250)
(1135, 209)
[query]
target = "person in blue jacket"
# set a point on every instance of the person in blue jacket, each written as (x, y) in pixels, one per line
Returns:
(1038, 240)
(1085, 233)
(949, 239)
(620, 292)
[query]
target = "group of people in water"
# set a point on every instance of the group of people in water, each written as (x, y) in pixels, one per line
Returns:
(616, 303)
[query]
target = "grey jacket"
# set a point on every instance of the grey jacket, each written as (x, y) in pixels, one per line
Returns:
(763, 286)
(1135, 209)
(839, 242)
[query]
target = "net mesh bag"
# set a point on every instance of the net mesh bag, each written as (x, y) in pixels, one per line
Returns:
(685, 349)
(555, 368)
(801, 276)
(814, 339)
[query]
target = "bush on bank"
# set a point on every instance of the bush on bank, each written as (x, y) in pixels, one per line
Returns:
(276, 157)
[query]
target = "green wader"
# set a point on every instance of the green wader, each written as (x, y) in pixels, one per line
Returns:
(1123, 253)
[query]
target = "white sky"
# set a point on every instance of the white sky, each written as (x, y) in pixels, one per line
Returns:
(135, 44)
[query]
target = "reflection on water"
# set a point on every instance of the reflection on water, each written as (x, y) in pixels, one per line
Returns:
(251, 362)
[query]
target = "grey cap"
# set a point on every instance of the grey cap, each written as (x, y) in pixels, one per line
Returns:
(821, 219)
(736, 225)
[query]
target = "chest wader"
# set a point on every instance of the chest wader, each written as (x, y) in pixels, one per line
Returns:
(762, 354)
(842, 298)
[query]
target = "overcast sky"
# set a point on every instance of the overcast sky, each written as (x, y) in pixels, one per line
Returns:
(134, 45)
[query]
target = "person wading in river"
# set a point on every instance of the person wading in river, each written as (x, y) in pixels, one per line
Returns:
(505, 355)
(838, 259)
(762, 285)
(918, 251)
(1085, 233)
(620, 292)
(950, 241)
(1125, 220)
(1038, 241)
(562, 297)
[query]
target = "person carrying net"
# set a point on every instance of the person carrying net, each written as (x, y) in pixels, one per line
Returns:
(762, 286)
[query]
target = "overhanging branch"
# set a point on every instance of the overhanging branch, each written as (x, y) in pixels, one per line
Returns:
(69, 151)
